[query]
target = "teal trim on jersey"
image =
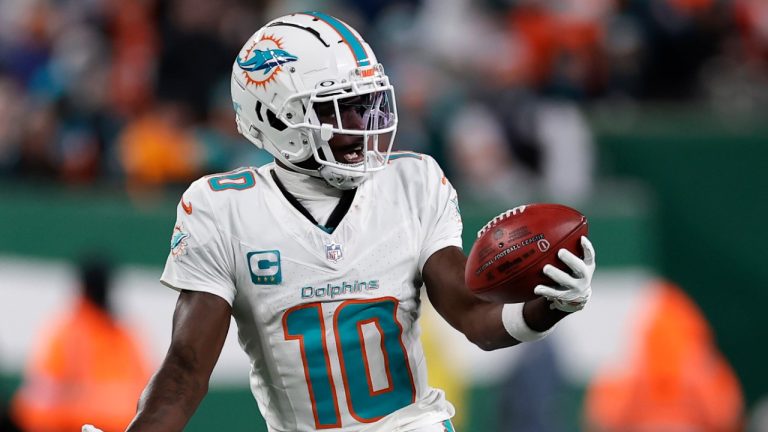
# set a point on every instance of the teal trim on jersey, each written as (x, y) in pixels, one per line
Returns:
(304, 323)
(326, 229)
(235, 181)
(347, 36)
(448, 426)
(395, 156)
(368, 403)
(265, 267)
(455, 202)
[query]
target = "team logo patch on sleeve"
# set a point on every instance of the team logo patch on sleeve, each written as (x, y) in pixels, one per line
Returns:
(265, 267)
(179, 241)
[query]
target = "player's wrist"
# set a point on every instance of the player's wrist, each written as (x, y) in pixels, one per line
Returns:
(514, 323)
(572, 306)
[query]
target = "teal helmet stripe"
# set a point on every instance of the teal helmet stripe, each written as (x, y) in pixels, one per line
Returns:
(347, 36)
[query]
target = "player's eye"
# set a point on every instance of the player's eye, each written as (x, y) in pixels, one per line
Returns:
(360, 109)
(359, 104)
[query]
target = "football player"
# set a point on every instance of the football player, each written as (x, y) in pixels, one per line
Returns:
(320, 256)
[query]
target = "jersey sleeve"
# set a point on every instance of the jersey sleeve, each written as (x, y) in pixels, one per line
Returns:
(201, 258)
(440, 215)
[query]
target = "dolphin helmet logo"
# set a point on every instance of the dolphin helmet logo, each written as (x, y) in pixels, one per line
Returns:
(263, 60)
(266, 60)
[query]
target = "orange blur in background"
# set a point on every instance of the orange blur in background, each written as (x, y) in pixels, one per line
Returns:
(675, 378)
(86, 368)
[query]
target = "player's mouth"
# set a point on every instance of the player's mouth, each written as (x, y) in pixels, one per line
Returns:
(351, 154)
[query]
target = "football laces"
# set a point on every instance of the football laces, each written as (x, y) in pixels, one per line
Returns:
(513, 211)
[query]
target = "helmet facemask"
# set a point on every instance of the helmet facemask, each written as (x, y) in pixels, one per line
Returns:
(364, 108)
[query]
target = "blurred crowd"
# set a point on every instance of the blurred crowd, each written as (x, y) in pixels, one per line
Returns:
(137, 93)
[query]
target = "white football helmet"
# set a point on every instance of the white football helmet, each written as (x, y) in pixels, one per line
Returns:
(291, 83)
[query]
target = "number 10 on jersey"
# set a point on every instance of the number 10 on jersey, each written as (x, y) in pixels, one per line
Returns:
(305, 324)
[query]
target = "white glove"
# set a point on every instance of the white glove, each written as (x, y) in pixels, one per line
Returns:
(574, 290)
(90, 428)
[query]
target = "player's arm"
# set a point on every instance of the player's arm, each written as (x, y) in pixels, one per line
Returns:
(480, 321)
(491, 325)
(200, 326)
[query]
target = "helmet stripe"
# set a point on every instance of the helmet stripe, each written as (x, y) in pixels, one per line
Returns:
(349, 38)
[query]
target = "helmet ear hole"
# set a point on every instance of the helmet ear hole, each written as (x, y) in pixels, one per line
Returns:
(275, 122)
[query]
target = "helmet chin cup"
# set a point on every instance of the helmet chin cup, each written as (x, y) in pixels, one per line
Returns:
(341, 179)
(326, 132)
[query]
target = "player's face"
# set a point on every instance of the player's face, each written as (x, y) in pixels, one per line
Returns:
(363, 112)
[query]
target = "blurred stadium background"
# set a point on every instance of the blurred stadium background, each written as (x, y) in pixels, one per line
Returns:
(648, 115)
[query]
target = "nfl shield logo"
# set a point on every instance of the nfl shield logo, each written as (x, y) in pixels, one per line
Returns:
(333, 252)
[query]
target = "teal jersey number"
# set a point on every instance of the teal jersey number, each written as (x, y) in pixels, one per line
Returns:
(235, 181)
(366, 404)
(305, 324)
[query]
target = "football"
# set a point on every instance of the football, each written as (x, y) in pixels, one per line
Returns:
(507, 259)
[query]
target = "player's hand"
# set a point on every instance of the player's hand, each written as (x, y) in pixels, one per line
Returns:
(574, 289)
(90, 428)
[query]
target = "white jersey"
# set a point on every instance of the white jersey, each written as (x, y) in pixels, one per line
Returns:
(329, 320)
